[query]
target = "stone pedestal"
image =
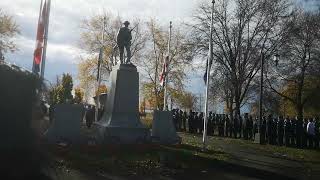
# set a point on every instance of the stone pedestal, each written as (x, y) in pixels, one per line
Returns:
(66, 124)
(163, 130)
(120, 122)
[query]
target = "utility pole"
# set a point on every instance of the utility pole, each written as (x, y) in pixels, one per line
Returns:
(165, 106)
(204, 138)
(261, 100)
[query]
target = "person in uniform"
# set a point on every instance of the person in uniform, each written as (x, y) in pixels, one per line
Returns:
(280, 130)
(304, 133)
(235, 126)
(269, 129)
(293, 132)
(184, 121)
(240, 126)
(228, 132)
(274, 131)
(299, 131)
(190, 121)
(287, 131)
(250, 127)
(124, 38)
(317, 136)
(263, 130)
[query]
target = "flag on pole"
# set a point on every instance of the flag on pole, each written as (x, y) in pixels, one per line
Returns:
(164, 71)
(38, 52)
(205, 74)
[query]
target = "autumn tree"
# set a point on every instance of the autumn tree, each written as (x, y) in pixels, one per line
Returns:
(78, 96)
(61, 92)
(8, 29)
(184, 100)
(154, 55)
(102, 89)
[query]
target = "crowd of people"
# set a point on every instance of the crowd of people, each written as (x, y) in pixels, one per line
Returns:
(281, 131)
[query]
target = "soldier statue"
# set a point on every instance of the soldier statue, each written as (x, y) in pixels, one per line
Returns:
(124, 41)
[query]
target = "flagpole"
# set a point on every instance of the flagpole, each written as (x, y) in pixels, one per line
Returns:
(46, 34)
(204, 138)
(99, 71)
(165, 97)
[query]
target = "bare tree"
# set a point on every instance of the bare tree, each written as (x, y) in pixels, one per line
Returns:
(299, 60)
(244, 32)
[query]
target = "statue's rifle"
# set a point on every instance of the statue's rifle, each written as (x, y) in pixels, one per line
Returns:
(133, 28)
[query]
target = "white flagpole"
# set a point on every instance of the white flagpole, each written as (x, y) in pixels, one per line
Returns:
(46, 34)
(165, 107)
(204, 138)
(99, 71)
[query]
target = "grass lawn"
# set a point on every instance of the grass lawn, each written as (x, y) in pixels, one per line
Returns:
(186, 159)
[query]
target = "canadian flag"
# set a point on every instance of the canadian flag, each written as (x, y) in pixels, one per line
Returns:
(164, 71)
(43, 18)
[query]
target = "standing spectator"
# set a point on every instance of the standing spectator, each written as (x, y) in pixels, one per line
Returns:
(299, 131)
(184, 121)
(255, 128)
(304, 134)
(235, 126)
(280, 130)
(269, 129)
(293, 132)
(317, 137)
(274, 131)
(311, 132)
(287, 131)
(245, 126)
(250, 127)
(240, 126)
(263, 127)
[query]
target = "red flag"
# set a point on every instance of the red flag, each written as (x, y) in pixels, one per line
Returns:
(164, 71)
(37, 58)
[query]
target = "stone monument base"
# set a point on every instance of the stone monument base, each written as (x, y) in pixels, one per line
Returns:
(163, 130)
(67, 119)
(122, 135)
(120, 123)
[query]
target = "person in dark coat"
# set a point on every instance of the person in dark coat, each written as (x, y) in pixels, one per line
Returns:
(235, 126)
(293, 132)
(190, 121)
(299, 132)
(317, 136)
(240, 126)
(280, 130)
(250, 128)
(274, 131)
(263, 128)
(228, 132)
(287, 131)
(304, 133)
(184, 121)
(269, 129)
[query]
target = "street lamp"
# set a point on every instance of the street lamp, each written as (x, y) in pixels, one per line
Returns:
(261, 133)
(276, 59)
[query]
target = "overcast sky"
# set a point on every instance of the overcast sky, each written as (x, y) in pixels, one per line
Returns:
(65, 19)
